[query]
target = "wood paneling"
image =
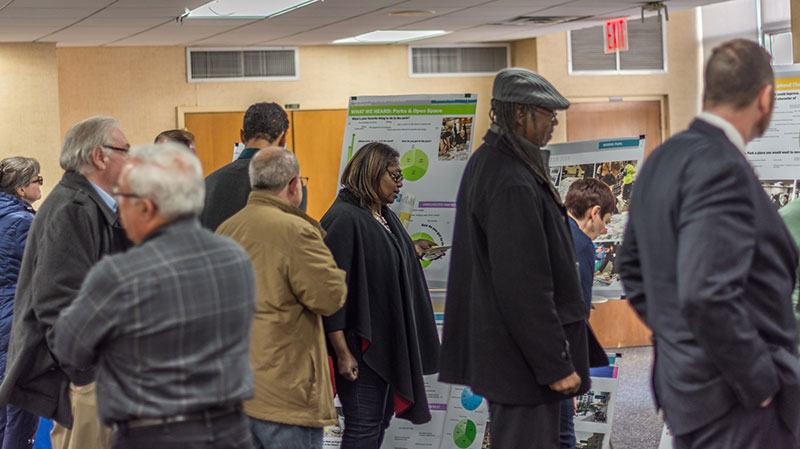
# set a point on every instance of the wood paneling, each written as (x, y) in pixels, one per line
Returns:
(317, 142)
(617, 325)
(615, 119)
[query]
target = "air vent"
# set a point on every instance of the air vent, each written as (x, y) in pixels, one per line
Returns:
(646, 50)
(540, 20)
(251, 64)
(457, 60)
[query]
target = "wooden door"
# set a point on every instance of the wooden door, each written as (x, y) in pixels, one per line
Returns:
(317, 138)
(615, 322)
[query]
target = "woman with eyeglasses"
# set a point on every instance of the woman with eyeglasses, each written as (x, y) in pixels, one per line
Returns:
(20, 186)
(384, 339)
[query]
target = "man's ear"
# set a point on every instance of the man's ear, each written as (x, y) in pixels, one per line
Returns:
(765, 98)
(99, 158)
(241, 135)
(147, 207)
(281, 142)
(520, 117)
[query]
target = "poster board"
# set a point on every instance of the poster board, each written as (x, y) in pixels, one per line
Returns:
(775, 156)
(594, 414)
(615, 162)
(434, 136)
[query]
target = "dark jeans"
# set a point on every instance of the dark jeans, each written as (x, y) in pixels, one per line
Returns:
(566, 436)
(368, 406)
(224, 432)
(17, 428)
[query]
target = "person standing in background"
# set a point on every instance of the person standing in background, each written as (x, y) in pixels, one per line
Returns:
(265, 125)
(20, 186)
(590, 205)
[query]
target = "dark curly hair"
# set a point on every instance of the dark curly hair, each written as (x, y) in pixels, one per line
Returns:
(265, 121)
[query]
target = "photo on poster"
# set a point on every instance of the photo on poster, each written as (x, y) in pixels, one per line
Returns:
(332, 435)
(606, 274)
(572, 173)
(796, 193)
(487, 439)
(555, 175)
(620, 177)
(589, 440)
(455, 139)
(593, 406)
(780, 192)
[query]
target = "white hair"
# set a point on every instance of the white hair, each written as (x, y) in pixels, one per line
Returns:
(80, 140)
(170, 177)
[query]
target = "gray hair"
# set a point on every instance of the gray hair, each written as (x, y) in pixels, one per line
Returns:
(80, 140)
(273, 168)
(17, 172)
(170, 177)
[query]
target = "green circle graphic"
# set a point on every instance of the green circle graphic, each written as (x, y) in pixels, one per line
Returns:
(423, 236)
(414, 164)
(464, 433)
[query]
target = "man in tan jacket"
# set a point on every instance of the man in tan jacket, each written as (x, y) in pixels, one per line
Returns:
(297, 284)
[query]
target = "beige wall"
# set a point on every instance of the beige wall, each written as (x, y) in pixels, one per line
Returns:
(29, 106)
(142, 86)
(681, 85)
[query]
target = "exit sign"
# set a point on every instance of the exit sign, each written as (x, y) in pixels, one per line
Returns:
(615, 35)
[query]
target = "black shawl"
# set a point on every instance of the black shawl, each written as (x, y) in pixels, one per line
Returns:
(388, 303)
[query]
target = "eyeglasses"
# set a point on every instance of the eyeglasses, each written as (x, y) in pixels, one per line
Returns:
(397, 176)
(122, 150)
(117, 194)
(38, 180)
(303, 180)
(548, 111)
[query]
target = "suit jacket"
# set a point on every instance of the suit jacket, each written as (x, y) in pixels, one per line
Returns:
(709, 266)
(71, 232)
(515, 318)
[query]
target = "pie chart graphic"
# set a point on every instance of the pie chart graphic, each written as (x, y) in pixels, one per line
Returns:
(464, 433)
(423, 236)
(470, 400)
(414, 164)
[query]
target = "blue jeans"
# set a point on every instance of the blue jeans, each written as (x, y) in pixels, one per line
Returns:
(273, 435)
(367, 405)
(17, 428)
(566, 435)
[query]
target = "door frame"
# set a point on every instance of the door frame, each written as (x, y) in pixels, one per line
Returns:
(181, 111)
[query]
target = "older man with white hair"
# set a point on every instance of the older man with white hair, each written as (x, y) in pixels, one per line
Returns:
(168, 322)
(76, 225)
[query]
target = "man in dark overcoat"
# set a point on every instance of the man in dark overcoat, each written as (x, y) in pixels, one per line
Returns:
(515, 325)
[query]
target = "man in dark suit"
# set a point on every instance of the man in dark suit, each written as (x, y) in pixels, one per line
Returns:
(265, 125)
(710, 267)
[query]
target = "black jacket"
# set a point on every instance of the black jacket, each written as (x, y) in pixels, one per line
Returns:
(72, 230)
(515, 318)
(709, 266)
(387, 300)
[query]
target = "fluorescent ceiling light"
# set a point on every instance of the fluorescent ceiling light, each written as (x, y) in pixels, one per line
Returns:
(227, 9)
(389, 37)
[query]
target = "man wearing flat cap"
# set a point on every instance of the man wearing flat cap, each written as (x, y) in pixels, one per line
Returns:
(515, 327)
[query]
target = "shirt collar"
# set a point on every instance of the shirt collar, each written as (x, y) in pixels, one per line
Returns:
(248, 153)
(108, 199)
(730, 131)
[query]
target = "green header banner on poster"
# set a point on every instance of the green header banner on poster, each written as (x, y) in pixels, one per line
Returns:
(618, 144)
(422, 109)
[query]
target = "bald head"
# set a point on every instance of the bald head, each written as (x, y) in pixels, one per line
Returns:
(272, 169)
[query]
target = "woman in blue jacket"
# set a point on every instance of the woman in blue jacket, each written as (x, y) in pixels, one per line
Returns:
(20, 185)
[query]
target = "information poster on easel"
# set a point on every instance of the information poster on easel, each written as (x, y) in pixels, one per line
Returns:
(434, 136)
(616, 163)
(594, 411)
(776, 155)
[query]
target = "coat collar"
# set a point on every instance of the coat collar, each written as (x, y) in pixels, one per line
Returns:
(76, 181)
(265, 198)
